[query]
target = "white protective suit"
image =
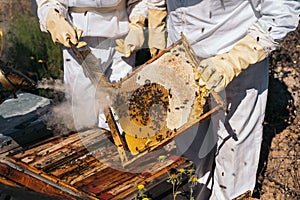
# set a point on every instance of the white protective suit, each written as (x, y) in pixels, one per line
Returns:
(102, 23)
(213, 27)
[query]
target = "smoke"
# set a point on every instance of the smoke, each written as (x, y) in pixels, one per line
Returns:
(59, 119)
(53, 84)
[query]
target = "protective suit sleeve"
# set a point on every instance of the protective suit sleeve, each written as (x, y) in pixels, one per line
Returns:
(138, 9)
(278, 18)
(131, 4)
(157, 4)
(43, 8)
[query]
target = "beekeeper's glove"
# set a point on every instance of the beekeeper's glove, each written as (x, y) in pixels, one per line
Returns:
(157, 29)
(135, 37)
(218, 71)
(62, 31)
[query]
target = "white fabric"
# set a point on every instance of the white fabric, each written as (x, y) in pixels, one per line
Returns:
(100, 29)
(204, 179)
(112, 23)
(210, 26)
(79, 88)
(237, 161)
(213, 27)
(264, 39)
(156, 4)
(140, 9)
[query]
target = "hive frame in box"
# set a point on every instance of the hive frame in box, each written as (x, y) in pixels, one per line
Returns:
(99, 81)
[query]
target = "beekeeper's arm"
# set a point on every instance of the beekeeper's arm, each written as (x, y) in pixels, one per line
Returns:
(53, 18)
(135, 37)
(275, 20)
(157, 26)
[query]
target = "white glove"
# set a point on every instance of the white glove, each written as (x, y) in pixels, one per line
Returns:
(61, 30)
(135, 37)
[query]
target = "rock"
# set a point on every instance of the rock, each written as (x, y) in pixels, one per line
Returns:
(24, 104)
(20, 121)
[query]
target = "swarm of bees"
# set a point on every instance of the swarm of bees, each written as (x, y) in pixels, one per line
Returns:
(143, 99)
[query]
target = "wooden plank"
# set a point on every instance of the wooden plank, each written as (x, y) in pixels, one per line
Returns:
(8, 146)
(52, 145)
(30, 182)
(118, 139)
(58, 158)
(32, 174)
(73, 166)
(35, 149)
(81, 172)
(130, 192)
(106, 180)
(8, 182)
(90, 170)
(62, 153)
(123, 190)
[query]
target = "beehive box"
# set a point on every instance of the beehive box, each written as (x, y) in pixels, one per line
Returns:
(97, 164)
(64, 167)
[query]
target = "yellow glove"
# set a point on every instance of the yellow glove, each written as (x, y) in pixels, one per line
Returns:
(135, 37)
(61, 30)
(218, 71)
(157, 29)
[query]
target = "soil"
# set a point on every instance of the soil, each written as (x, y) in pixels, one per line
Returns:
(279, 174)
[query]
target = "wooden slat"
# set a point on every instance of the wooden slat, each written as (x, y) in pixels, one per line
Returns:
(86, 173)
(129, 192)
(30, 182)
(8, 182)
(62, 153)
(38, 175)
(73, 166)
(118, 139)
(40, 147)
(59, 158)
(55, 143)
(107, 180)
(122, 187)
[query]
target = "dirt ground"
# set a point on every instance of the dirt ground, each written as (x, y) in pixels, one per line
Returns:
(279, 173)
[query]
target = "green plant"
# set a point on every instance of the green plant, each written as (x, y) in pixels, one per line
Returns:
(177, 177)
(31, 51)
(141, 192)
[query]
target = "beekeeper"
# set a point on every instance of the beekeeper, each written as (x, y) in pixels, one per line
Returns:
(96, 24)
(233, 39)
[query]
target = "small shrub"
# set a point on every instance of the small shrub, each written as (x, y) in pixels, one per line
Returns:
(31, 51)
